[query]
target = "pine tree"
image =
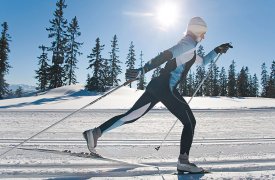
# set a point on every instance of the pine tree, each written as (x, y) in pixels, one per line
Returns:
(57, 31)
(222, 82)
(250, 92)
(183, 87)
(19, 92)
(130, 63)
(201, 51)
(215, 88)
(264, 80)
(72, 53)
(200, 72)
(255, 86)
(209, 82)
(231, 83)
(190, 84)
(107, 73)
(115, 62)
(4, 64)
(271, 83)
(141, 82)
(96, 63)
(242, 83)
(43, 71)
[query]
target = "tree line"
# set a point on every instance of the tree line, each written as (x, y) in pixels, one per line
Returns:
(65, 51)
(59, 69)
(232, 84)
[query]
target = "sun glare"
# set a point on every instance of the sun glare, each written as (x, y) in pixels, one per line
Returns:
(167, 15)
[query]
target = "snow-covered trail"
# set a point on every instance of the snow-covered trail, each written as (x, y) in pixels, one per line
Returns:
(232, 144)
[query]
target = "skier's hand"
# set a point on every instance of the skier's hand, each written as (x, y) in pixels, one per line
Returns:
(132, 74)
(223, 48)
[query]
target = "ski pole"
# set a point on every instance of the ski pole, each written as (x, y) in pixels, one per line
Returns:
(54, 124)
(199, 86)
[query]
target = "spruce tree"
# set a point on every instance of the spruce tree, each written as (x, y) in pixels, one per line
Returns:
(209, 82)
(242, 83)
(57, 31)
(215, 88)
(107, 73)
(201, 51)
(72, 52)
(115, 62)
(183, 87)
(42, 74)
(19, 92)
(141, 82)
(190, 84)
(271, 83)
(130, 62)
(4, 64)
(200, 72)
(231, 83)
(222, 82)
(264, 80)
(255, 86)
(96, 64)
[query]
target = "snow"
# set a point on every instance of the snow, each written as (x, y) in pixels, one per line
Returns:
(234, 137)
(75, 96)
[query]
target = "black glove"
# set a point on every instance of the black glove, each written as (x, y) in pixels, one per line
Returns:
(223, 48)
(132, 74)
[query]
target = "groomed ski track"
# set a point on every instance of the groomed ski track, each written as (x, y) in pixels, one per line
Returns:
(231, 144)
(79, 168)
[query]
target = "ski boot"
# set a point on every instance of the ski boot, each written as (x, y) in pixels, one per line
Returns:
(185, 167)
(91, 136)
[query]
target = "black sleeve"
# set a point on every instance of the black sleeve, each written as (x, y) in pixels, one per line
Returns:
(158, 60)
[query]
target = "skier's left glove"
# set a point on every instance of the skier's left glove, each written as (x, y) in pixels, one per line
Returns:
(223, 48)
(133, 74)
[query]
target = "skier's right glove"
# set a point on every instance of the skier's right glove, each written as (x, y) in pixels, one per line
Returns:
(223, 48)
(133, 74)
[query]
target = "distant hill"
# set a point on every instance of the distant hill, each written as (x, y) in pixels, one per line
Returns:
(76, 96)
(25, 87)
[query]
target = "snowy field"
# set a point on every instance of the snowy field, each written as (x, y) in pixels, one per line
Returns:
(234, 139)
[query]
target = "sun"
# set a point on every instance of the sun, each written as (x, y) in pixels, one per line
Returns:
(167, 15)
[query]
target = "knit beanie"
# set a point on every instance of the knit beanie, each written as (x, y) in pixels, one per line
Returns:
(197, 26)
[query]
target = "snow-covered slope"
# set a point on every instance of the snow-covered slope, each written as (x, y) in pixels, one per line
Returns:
(75, 96)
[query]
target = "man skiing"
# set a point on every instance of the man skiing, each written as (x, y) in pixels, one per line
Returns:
(179, 60)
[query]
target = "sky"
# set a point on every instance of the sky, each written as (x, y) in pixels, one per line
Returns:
(152, 25)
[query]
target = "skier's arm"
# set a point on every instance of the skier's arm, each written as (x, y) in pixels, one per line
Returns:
(212, 54)
(158, 60)
(206, 59)
(132, 74)
(174, 52)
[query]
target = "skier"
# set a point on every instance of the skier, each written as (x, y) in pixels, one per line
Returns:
(179, 60)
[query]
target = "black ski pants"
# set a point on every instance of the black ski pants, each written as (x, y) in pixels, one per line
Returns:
(174, 102)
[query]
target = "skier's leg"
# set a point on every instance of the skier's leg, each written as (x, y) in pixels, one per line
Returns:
(141, 107)
(179, 107)
(191, 122)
